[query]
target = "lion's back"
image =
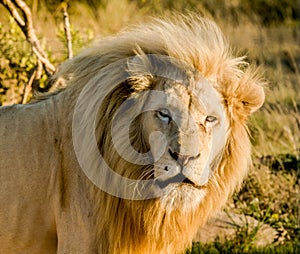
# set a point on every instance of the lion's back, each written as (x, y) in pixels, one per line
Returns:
(24, 182)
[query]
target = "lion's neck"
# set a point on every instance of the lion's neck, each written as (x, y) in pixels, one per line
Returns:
(143, 227)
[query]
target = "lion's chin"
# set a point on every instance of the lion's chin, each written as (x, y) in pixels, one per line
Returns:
(184, 196)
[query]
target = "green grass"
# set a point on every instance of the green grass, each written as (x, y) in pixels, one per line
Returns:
(231, 247)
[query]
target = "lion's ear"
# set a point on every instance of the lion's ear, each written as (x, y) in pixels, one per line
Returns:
(246, 96)
(252, 95)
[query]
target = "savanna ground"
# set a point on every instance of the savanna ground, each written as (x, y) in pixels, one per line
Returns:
(267, 31)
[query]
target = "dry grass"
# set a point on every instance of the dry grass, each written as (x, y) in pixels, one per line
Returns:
(271, 192)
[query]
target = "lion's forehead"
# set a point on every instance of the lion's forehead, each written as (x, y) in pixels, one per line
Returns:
(197, 100)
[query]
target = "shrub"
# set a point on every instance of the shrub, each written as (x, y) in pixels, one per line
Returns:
(17, 63)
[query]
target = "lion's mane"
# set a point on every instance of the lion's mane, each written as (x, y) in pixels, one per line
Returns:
(132, 226)
(142, 226)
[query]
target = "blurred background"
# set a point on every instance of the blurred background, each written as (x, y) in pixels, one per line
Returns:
(267, 31)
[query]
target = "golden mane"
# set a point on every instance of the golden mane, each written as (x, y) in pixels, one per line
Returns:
(143, 226)
(200, 44)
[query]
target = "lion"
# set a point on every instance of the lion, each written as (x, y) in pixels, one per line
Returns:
(147, 139)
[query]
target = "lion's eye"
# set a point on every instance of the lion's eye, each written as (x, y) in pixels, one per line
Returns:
(164, 115)
(211, 120)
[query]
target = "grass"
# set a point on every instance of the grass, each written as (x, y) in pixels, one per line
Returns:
(230, 247)
(271, 192)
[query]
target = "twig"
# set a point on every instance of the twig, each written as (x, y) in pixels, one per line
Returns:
(28, 87)
(25, 23)
(33, 82)
(67, 28)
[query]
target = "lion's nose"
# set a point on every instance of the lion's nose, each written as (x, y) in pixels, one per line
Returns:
(180, 158)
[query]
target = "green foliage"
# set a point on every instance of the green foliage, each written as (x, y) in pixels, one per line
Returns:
(271, 196)
(80, 39)
(231, 247)
(52, 5)
(17, 63)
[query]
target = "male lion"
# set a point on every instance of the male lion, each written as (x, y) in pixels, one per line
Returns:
(146, 140)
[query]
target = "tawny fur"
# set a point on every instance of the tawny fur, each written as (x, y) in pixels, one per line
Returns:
(52, 205)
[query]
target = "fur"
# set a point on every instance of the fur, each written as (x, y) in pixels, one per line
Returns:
(84, 219)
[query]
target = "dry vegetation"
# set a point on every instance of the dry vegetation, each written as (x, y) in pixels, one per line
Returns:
(272, 40)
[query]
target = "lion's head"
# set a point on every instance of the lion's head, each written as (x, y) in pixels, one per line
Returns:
(178, 128)
(168, 105)
(193, 125)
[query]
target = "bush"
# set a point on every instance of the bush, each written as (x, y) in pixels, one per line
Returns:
(80, 39)
(17, 63)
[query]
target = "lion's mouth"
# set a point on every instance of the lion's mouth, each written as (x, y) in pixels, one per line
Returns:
(179, 178)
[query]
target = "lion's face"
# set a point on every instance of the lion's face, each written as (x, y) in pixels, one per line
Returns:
(193, 132)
